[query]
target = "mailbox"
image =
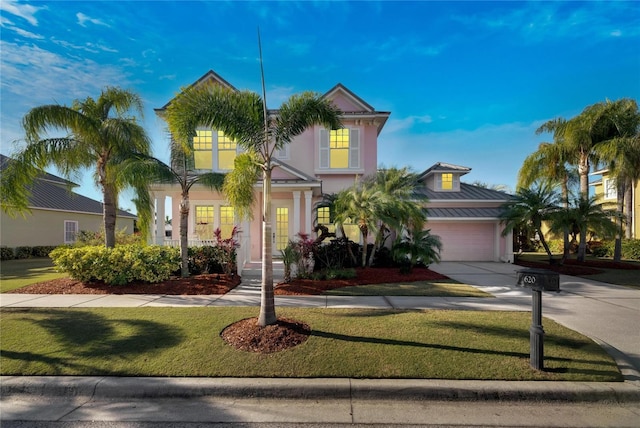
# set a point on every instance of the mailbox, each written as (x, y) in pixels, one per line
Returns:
(539, 279)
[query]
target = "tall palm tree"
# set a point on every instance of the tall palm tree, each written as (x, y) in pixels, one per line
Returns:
(100, 134)
(530, 207)
(244, 117)
(181, 171)
(621, 155)
(551, 162)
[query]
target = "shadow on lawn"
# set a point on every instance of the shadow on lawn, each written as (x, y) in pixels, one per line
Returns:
(524, 355)
(90, 335)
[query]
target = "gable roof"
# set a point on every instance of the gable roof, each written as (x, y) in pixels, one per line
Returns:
(443, 167)
(209, 76)
(468, 192)
(50, 192)
(356, 100)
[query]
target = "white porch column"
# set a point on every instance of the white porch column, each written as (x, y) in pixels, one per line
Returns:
(307, 211)
(296, 212)
(160, 219)
(496, 252)
(151, 239)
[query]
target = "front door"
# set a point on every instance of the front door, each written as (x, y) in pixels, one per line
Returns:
(281, 221)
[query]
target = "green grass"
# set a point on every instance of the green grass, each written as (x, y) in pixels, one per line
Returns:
(344, 343)
(439, 288)
(626, 277)
(19, 273)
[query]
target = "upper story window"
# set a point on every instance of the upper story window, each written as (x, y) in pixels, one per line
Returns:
(610, 188)
(202, 146)
(340, 149)
(283, 153)
(213, 150)
(447, 181)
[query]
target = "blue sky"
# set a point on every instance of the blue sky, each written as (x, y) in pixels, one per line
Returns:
(466, 83)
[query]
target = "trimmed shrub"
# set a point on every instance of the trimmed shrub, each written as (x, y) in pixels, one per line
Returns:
(6, 253)
(23, 252)
(556, 246)
(42, 250)
(117, 266)
(631, 249)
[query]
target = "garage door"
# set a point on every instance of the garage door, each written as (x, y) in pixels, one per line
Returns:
(465, 241)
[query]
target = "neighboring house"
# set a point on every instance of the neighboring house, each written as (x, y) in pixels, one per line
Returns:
(466, 217)
(322, 161)
(607, 192)
(57, 215)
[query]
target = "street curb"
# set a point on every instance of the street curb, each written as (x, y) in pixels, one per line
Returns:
(339, 388)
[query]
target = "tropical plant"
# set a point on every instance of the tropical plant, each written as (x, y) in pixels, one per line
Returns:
(100, 134)
(403, 203)
(360, 205)
(621, 156)
(583, 216)
(551, 163)
(243, 116)
(417, 246)
(182, 172)
(529, 208)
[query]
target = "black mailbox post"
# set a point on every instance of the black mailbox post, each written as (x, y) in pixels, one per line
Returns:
(538, 280)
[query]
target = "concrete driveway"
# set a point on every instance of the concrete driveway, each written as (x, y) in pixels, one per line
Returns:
(609, 314)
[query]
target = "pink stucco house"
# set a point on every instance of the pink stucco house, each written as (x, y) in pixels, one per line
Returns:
(319, 162)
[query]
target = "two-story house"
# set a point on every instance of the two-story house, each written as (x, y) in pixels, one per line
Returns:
(317, 162)
(606, 190)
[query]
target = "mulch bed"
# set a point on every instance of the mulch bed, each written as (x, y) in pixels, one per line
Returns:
(246, 335)
(196, 284)
(364, 276)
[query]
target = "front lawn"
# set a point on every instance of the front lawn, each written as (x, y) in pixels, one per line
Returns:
(436, 288)
(15, 274)
(343, 343)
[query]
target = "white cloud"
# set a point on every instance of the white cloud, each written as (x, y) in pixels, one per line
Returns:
(32, 76)
(22, 10)
(397, 125)
(83, 19)
(276, 95)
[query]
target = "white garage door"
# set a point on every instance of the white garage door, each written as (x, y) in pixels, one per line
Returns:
(465, 241)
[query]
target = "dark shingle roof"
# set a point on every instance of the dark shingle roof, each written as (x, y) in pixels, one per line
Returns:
(50, 192)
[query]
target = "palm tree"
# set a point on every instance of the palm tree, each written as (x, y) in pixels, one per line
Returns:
(585, 215)
(100, 134)
(418, 246)
(404, 204)
(360, 205)
(621, 155)
(551, 163)
(181, 172)
(530, 207)
(244, 117)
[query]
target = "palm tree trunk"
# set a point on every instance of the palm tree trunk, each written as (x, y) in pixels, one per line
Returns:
(109, 212)
(365, 235)
(545, 245)
(184, 238)
(628, 202)
(617, 249)
(267, 303)
(583, 172)
(565, 232)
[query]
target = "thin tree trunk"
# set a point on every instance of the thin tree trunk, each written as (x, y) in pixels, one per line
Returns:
(365, 235)
(109, 212)
(267, 303)
(184, 238)
(545, 246)
(565, 232)
(628, 202)
(617, 249)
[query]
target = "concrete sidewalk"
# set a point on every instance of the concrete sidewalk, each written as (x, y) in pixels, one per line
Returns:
(607, 313)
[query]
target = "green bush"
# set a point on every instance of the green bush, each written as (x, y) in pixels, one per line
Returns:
(631, 249)
(42, 250)
(117, 266)
(23, 252)
(92, 238)
(6, 253)
(556, 246)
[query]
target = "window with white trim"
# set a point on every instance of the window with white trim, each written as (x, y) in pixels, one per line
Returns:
(213, 150)
(283, 153)
(204, 221)
(70, 231)
(227, 221)
(447, 181)
(339, 149)
(610, 189)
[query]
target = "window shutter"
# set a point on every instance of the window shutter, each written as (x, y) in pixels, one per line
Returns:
(438, 181)
(354, 148)
(324, 149)
(214, 149)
